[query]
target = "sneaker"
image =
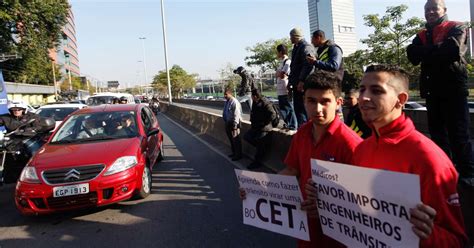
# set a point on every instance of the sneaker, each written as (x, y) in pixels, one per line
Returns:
(254, 165)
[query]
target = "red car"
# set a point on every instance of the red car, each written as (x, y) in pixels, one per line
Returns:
(98, 156)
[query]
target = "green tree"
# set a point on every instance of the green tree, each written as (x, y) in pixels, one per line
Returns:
(391, 36)
(76, 84)
(30, 29)
(387, 44)
(263, 54)
(228, 77)
(180, 80)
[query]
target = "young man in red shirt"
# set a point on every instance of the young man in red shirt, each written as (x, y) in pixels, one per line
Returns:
(395, 145)
(323, 137)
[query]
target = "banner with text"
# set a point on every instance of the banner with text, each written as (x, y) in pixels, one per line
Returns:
(366, 207)
(273, 202)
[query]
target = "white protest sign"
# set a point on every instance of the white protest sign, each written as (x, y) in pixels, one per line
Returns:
(273, 202)
(362, 207)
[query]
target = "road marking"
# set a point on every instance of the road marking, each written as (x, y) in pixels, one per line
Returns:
(206, 144)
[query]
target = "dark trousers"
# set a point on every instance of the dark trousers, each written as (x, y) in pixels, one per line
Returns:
(235, 142)
(287, 112)
(448, 124)
(261, 140)
(298, 103)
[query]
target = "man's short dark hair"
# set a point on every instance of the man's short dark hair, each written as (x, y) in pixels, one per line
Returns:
(323, 80)
(396, 72)
(256, 93)
(228, 90)
(319, 33)
(282, 49)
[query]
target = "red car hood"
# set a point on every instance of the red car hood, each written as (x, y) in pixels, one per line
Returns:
(53, 156)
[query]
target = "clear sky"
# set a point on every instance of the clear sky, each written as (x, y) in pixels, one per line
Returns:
(202, 35)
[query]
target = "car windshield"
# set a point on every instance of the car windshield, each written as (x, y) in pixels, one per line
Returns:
(58, 114)
(97, 126)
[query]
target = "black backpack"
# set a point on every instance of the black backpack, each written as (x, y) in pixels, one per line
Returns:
(277, 118)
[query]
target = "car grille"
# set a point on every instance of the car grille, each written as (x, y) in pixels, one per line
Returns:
(75, 201)
(72, 174)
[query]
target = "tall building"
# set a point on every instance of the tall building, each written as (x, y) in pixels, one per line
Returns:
(336, 18)
(66, 55)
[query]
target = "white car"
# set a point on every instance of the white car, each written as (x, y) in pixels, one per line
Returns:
(414, 106)
(58, 111)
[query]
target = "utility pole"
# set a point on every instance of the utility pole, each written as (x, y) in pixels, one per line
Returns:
(166, 50)
(144, 60)
(54, 81)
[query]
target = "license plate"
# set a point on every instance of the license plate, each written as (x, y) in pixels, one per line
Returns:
(77, 189)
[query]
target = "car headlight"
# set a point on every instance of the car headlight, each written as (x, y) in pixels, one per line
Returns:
(29, 175)
(121, 164)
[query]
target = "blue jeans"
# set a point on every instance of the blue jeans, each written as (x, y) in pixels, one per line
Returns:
(287, 112)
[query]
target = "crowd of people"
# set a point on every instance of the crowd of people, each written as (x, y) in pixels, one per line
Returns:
(376, 133)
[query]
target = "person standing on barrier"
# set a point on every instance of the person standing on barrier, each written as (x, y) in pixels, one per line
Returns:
(286, 107)
(395, 145)
(440, 48)
(300, 69)
(323, 137)
(246, 86)
(232, 116)
(329, 55)
(259, 134)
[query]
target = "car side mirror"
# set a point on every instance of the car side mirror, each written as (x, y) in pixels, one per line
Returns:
(153, 131)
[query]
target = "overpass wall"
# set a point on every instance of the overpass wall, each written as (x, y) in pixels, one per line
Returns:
(213, 125)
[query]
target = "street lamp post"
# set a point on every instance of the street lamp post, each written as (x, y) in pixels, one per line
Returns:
(68, 62)
(144, 59)
(166, 51)
(54, 79)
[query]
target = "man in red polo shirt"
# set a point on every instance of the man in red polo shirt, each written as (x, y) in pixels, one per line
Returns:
(397, 146)
(323, 137)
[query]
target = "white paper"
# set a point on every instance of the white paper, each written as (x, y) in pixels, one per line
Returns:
(362, 207)
(273, 202)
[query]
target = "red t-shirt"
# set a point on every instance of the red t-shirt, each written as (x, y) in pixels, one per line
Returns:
(337, 144)
(399, 147)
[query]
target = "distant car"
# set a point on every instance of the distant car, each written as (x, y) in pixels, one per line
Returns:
(414, 106)
(272, 100)
(78, 101)
(108, 97)
(98, 156)
(471, 106)
(58, 111)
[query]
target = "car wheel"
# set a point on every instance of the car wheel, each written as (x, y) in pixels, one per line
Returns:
(146, 183)
(161, 155)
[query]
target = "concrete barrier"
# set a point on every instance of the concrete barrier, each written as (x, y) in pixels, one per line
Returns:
(213, 125)
(419, 118)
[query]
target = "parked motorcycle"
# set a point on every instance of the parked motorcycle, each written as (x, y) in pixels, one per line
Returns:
(19, 145)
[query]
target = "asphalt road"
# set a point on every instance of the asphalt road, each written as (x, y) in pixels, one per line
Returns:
(194, 203)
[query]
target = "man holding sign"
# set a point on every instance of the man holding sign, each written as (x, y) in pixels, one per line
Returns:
(397, 146)
(323, 137)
